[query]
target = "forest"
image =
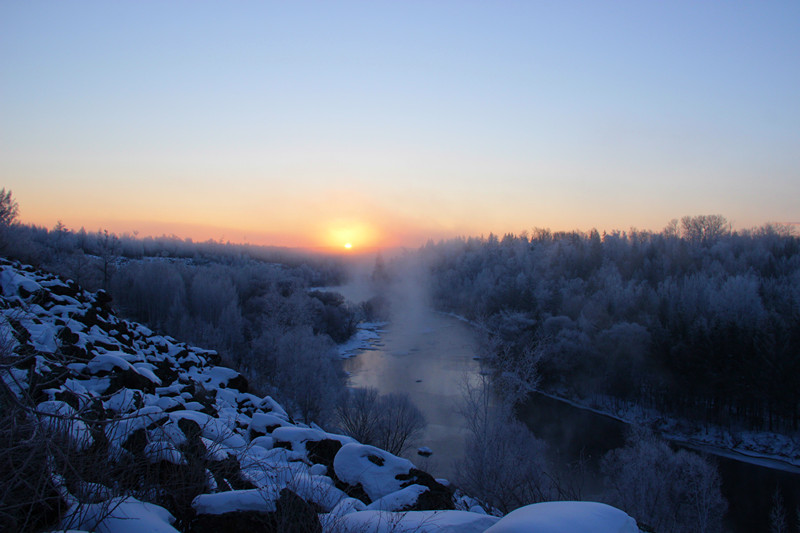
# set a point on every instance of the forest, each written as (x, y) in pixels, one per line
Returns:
(696, 320)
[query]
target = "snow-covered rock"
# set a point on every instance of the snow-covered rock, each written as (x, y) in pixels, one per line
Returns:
(566, 517)
(412, 522)
(120, 515)
(374, 469)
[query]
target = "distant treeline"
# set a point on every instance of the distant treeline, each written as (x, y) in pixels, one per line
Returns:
(79, 252)
(696, 320)
(256, 305)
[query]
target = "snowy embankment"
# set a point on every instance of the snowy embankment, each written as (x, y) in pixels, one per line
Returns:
(136, 431)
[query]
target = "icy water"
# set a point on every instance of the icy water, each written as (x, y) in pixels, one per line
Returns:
(429, 358)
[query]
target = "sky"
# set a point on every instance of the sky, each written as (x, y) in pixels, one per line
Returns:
(315, 124)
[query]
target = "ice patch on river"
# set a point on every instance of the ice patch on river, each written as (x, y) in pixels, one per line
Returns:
(365, 338)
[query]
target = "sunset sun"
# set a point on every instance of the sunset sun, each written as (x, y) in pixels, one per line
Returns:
(349, 235)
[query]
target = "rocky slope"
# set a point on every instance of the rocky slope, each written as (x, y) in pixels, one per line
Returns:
(108, 426)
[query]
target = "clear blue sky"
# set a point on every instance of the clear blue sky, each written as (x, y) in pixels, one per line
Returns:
(312, 123)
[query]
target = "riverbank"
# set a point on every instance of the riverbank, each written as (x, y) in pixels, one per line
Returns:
(767, 449)
(763, 448)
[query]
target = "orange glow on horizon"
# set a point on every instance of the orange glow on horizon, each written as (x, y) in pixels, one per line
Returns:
(351, 233)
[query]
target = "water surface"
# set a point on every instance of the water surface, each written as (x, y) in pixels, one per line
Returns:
(428, 358)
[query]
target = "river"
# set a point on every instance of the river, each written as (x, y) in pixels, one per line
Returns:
(429, 359)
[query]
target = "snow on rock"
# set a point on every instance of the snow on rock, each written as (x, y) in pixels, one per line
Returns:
(317, 489)
(566, 517)
(346, 506)
(265, 442)
(263, 422)
(15, 283)
(277, 409)
(146, 370)
(118, 431)
(216, 377)
(236, 500)
(212, 428)
(119, 515)
(60, 417)
(413, 522)
(400, 500)
(163, 451)
(298, 437)
(372, 468)
(107, 362)
(43, 337)
(123, 401)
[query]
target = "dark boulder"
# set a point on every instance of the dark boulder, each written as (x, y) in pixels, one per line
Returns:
(323, 451)
(437, 497)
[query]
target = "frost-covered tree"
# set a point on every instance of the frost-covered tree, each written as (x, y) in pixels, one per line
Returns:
(9, 209)
(704, 228)
(669, 491)
(300, 365)
(8, 214)
(777, 514)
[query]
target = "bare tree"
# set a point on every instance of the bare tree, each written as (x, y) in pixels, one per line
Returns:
(358, 415)
(108, 249)
(504, 464)
(391, 422)
(401, 422)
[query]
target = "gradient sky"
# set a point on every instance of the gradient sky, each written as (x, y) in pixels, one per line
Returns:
(386, 123)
